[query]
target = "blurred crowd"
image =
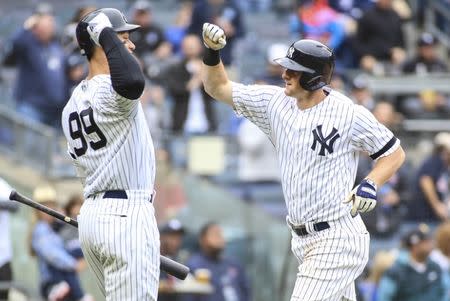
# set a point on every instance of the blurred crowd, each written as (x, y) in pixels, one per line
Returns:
(417, 269)
(368, 38)
(56, 247)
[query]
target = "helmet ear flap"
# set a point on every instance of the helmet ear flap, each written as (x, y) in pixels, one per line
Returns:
(311, 82)
(84, 40)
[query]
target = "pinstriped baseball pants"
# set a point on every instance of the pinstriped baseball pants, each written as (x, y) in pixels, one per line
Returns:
(331, 260)
(120, 241)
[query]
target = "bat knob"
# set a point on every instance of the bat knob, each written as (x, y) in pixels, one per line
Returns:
(12, 195)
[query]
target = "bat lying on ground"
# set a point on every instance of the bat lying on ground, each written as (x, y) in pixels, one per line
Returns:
(167, 265)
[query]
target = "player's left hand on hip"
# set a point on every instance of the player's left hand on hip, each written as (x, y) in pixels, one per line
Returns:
(363, 196)
(96, 25)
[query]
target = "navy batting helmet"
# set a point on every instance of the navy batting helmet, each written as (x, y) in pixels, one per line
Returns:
(115, 16)
(313, 59)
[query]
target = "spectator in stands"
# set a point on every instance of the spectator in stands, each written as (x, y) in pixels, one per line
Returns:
(149, 39)
(339, 80)
(68, 232)
(273, 73)
(192, 112)
(430, 202)
(227, 276)
(171, 197)
(441, 254)
(428, 104)
(224, 13)
(40, 87)
(360, 91)
(171, 237)
(156, 112)
(427, 60)
(57, 268)
(385, 113)
(379, 39)
(316, 20)
(6, 251)
(175, 32)
(69, 39)
(368, 287)
(154, 52)
(76, 70)
(414, 276)
(258, 163)
(352, 8)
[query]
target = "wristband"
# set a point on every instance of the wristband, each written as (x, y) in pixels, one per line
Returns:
(371, 183)
(211, 57)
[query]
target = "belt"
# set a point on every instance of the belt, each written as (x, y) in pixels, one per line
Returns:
(115, 194)
(118, 194)
(302, 231)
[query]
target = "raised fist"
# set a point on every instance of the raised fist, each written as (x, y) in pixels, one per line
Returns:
(213, 36)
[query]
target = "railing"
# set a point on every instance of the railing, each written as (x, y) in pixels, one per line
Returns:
(19, 291)
(26, 141)
(437, 20)
(409, 84)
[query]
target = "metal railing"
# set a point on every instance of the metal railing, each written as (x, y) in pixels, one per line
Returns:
(19, 291)
(437, 20)
(26, 141)
(409, 84)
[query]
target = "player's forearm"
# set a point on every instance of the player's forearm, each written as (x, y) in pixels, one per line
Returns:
(386, 166)
(215, 79)
(126, 74)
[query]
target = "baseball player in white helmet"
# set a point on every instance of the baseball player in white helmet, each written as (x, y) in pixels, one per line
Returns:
(317, 133)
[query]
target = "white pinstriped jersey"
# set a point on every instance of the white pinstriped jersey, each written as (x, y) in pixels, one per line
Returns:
(108, 139)
(317, 148)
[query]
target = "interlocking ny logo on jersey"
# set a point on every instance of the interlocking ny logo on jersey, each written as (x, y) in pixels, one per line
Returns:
(326, 143)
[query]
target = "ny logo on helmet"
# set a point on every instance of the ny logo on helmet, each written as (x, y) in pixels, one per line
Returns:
(326, 143)
(290, 52)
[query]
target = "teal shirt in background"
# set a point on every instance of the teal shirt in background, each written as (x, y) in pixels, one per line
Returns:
(402, 282)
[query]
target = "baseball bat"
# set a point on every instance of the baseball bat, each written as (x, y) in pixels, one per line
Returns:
(166, 264)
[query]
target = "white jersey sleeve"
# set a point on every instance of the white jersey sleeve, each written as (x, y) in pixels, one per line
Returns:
(252, 102)
(371, 136)
(109, 102)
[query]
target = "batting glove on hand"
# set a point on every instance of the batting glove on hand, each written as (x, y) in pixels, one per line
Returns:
(213, 36)
(96, 25)
(363, 196)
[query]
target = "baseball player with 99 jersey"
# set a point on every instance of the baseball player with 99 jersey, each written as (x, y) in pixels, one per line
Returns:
(112, 150)
(317, 133)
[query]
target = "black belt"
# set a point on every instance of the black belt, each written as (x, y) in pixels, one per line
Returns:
(118, 194)
(301, 230)
(115, 194)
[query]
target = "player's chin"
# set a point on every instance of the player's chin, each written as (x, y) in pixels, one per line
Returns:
(288, 90)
